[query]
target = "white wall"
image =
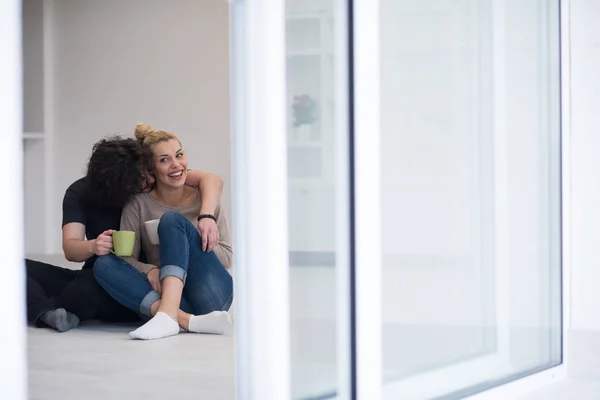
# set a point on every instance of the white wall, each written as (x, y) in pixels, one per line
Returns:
(33, 122)
(117, 63)
(33, 66)
(585, 164)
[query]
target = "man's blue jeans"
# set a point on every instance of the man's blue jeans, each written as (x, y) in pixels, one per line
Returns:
(207, 287)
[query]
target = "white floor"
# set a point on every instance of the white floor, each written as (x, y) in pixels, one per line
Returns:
(101, 362)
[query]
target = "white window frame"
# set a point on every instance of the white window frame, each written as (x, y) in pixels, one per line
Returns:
(342, 200)
(367, 199)
(260, 201)
(13, 362)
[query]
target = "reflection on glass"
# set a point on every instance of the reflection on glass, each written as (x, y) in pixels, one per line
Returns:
(470, 190)
(311, 193)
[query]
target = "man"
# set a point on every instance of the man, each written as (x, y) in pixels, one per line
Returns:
(117, 170)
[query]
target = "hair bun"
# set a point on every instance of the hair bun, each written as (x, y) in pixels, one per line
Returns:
(142, 130)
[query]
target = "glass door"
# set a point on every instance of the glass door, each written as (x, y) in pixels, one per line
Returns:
(292, 182)
(457, 119)
(397, 186)
(292, 153)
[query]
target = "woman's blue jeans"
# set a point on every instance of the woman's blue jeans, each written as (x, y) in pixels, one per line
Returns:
(207, 287)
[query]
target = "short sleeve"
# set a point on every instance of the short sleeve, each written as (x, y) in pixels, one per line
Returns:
(74, 207)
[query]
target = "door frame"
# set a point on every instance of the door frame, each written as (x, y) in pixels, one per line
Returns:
(260, 204)
(13, 336)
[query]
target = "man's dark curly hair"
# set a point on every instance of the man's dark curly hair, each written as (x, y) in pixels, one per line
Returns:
(116, 171)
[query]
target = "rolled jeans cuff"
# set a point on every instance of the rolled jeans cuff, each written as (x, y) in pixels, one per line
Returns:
(173, 270)
(147, 301)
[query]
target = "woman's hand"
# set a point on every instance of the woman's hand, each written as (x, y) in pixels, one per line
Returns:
(154, 279)
(209, 232)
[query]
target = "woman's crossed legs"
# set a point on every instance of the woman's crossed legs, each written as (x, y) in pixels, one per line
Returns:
(197, 290)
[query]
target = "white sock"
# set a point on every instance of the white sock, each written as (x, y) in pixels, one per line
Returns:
(216, 322)
(160, 326)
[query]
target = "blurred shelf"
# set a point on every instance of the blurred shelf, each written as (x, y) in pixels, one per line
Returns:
(307, 52)
(292, 144)
(33, 136)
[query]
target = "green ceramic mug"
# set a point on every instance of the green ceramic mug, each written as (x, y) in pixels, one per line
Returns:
(123, 242)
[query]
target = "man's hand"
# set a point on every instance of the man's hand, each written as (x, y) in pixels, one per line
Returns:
(209, 232)
(154, 279)
(103, 244)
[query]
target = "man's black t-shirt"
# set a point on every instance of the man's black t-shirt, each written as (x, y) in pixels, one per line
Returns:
(78, 206)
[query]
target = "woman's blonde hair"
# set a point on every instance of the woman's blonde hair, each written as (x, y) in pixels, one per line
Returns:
(149, 136)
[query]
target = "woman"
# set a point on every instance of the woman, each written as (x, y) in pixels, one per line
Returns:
(181, 285)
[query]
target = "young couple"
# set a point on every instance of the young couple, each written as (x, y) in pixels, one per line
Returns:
(182, 282)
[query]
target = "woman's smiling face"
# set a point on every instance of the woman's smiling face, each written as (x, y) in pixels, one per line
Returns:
(169, 163)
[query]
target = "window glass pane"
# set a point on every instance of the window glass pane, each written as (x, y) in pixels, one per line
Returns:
(470, 192)
(313, 153)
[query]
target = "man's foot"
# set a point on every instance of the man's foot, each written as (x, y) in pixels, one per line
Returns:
(216, 322)
(160, 326)
(60, 319)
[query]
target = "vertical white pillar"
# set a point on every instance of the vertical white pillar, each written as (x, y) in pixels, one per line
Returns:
(12, 334)
(367, 199)
(260, 206)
